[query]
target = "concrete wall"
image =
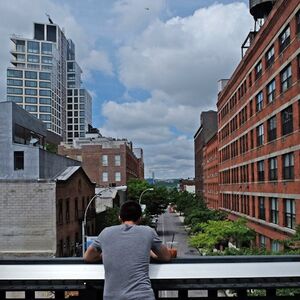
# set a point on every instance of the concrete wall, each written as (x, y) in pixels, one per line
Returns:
(52, 164)
(27, 218)
(9, 114)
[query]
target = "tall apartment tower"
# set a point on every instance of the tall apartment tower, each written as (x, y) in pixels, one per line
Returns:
(37, 77)
(79, 101)
(259, 125)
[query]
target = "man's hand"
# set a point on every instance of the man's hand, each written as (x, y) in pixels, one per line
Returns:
(162, 254)
(92, 255)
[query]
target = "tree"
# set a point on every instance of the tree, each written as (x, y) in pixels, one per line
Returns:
(215, 232)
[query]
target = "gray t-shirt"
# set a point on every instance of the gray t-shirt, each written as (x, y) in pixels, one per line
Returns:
(126, 254)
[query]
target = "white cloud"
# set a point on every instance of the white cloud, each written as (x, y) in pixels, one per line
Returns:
(179, 62)
(97, 60)
(185, 57)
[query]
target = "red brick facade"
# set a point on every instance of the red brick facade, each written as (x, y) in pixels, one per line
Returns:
(107, 166)
(72, 198)
(210, 173)
(258, 129)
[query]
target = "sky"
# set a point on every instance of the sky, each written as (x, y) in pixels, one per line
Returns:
(151, 66)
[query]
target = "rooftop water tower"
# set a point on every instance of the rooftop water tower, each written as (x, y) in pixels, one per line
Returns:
(260, 9)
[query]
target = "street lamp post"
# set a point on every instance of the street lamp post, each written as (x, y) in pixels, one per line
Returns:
(142, 193)
(83, 224)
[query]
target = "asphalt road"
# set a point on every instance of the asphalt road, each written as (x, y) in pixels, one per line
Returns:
(169, 224)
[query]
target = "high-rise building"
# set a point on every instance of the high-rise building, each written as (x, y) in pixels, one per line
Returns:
(258, 127)
(41, 71)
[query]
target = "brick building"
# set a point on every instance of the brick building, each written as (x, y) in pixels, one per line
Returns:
(210, 172)
(187, 185)
(107, 161)
(258, 129)
(208, 127)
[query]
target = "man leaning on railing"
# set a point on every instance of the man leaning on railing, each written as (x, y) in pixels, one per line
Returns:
(125, 250)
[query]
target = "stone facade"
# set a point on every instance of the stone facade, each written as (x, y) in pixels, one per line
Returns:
(27, 218)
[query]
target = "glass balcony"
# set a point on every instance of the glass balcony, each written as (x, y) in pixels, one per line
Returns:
(237, 277)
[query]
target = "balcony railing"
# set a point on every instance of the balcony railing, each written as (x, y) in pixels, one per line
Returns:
(216, 277)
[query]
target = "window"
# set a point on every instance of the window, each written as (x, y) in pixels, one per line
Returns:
(45, 109)
(70, 67)
(45, 101)
(44, 76)
(286, 78)
(19, 160)
(14, 73)
(272, 129)
(30, 92)
(46, 48)
(290, 214)
(104, 176)
(60, 212)
(16, 99)
(258, 70)
(262, 241)
(20, 58)
(271, 91)
(104, 160)
(262, 209)
(46, 60)
(274, 213)
(67, 211)
(33, 58)
(298, 22)
(44, 84)
(31, 108)
(20, 46)
(259, 101)
(30, 83)
(117, 176)
(260, 135)
(260, 170)
(288, 166)
(287, 120)
(14, 82)
(17, 91)
(117, 160)
(273, 168)
(275, 246)
(76, 209)
(45, 93)
(33, 47)
(284, 38)
(31, 100)
(45, 117)
(30, 74)
(270, 57)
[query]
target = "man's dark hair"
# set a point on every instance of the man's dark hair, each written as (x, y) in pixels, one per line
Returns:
(130, 211)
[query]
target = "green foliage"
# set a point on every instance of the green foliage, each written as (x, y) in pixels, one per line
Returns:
(51, 148)
(215, 232)
(108, 218)
(156, 201)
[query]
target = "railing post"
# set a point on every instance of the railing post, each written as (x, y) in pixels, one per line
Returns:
(29, 295)
(183, 294)
(271, 293)
(59, 295)
(242, 294)
(212, 294)
(2, 294)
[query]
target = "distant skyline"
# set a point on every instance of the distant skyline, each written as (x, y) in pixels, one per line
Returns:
(151, 66)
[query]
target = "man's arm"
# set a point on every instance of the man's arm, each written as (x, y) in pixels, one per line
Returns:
(92, 255)
(161, 253)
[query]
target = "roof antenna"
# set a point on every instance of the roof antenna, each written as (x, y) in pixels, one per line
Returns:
(49, 18)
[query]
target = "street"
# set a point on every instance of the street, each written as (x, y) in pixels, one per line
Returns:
(169, 224)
